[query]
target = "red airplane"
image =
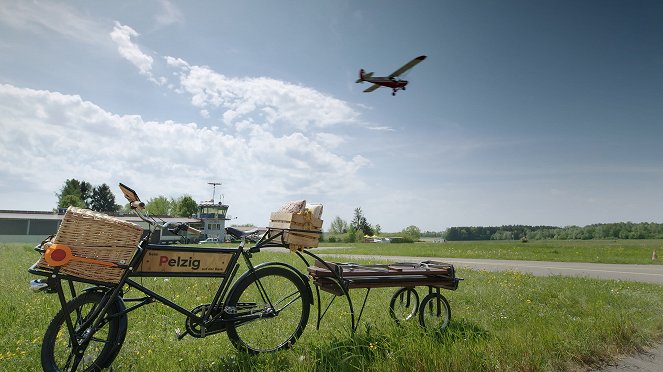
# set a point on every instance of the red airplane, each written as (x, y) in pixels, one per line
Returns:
(392, 81)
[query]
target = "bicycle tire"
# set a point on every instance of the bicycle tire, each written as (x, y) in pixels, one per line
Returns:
(434, 312)
(272, 331)
(105, 344)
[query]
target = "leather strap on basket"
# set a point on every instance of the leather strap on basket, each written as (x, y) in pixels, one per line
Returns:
(61, 254)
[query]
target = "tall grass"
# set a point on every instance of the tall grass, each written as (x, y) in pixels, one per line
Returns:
(500, 321)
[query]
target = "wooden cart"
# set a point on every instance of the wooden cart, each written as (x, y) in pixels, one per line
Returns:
(433, 311)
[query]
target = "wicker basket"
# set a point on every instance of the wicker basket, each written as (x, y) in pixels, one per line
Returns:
(307, 229)
(95, 236)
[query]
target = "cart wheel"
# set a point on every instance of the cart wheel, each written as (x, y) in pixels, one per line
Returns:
(434, 312)
(404, 304)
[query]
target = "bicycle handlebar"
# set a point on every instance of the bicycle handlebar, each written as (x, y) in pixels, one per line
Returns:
(184, 227)
(137, 206)
(193, 230)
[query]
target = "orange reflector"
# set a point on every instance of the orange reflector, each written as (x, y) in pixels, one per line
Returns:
(58, 255)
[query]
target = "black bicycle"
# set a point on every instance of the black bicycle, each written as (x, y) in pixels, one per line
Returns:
(264, 309)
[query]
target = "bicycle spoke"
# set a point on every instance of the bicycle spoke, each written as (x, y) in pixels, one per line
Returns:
(279, 313)
(298, 296)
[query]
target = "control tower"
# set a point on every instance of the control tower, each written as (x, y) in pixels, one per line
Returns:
(213, 216)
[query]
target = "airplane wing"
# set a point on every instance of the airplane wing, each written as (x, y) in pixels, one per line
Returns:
(371, 88)
(407, 66)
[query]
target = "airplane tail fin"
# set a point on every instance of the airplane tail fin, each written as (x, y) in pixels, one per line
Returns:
(363, 76)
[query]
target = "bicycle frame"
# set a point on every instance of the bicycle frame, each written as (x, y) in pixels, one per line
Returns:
(215, 305)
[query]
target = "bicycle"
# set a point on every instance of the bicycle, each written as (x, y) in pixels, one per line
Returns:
(265, 309)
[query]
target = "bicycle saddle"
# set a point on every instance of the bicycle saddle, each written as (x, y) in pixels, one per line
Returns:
(237, 233)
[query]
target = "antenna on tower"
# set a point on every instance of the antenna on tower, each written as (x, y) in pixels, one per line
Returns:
(214, 185)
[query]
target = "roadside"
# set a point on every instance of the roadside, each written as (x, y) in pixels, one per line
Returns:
(650, 360)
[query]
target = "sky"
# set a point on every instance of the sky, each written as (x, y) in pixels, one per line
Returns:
(525, 112)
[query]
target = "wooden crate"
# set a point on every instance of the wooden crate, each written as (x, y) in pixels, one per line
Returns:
(300, 230)
(95, 236)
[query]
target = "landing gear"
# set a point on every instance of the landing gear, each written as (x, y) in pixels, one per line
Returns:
(393, 93)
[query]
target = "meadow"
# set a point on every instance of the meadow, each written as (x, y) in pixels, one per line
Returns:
(505, 321)
(627, 251)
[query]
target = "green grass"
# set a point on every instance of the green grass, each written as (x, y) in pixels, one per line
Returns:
(598, 251)
(500, 322)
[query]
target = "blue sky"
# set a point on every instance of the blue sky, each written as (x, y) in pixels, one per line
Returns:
(524, 112)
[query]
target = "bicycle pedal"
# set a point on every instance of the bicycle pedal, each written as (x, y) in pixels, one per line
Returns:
(180, 335)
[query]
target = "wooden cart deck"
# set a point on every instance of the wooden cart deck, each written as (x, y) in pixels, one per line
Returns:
(409, 275)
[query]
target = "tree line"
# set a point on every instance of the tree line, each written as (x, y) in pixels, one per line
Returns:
(101, 199)
(620, 230)
(342, 231)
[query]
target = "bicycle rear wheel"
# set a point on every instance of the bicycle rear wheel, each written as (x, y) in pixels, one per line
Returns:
(271, 307)
(60, 353)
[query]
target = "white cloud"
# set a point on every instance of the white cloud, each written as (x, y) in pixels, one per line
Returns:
(260, 99)
(168, 14)
(48, 16)
(329, 140)
(49, 137)
(122, 35)
(382, 128)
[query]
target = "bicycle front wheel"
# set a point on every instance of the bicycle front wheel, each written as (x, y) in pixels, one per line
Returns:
(62, 351)
(271, 308)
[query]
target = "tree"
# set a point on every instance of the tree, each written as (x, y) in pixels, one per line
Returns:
(184, 206)
(360, 224)
(74, 193)
(412, 233)
(338, 226)
(102, 199)
(86, 193)
(70, 200)
(159, 206)
(352, 235)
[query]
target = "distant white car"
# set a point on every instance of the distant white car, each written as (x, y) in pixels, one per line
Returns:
(209, 240)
